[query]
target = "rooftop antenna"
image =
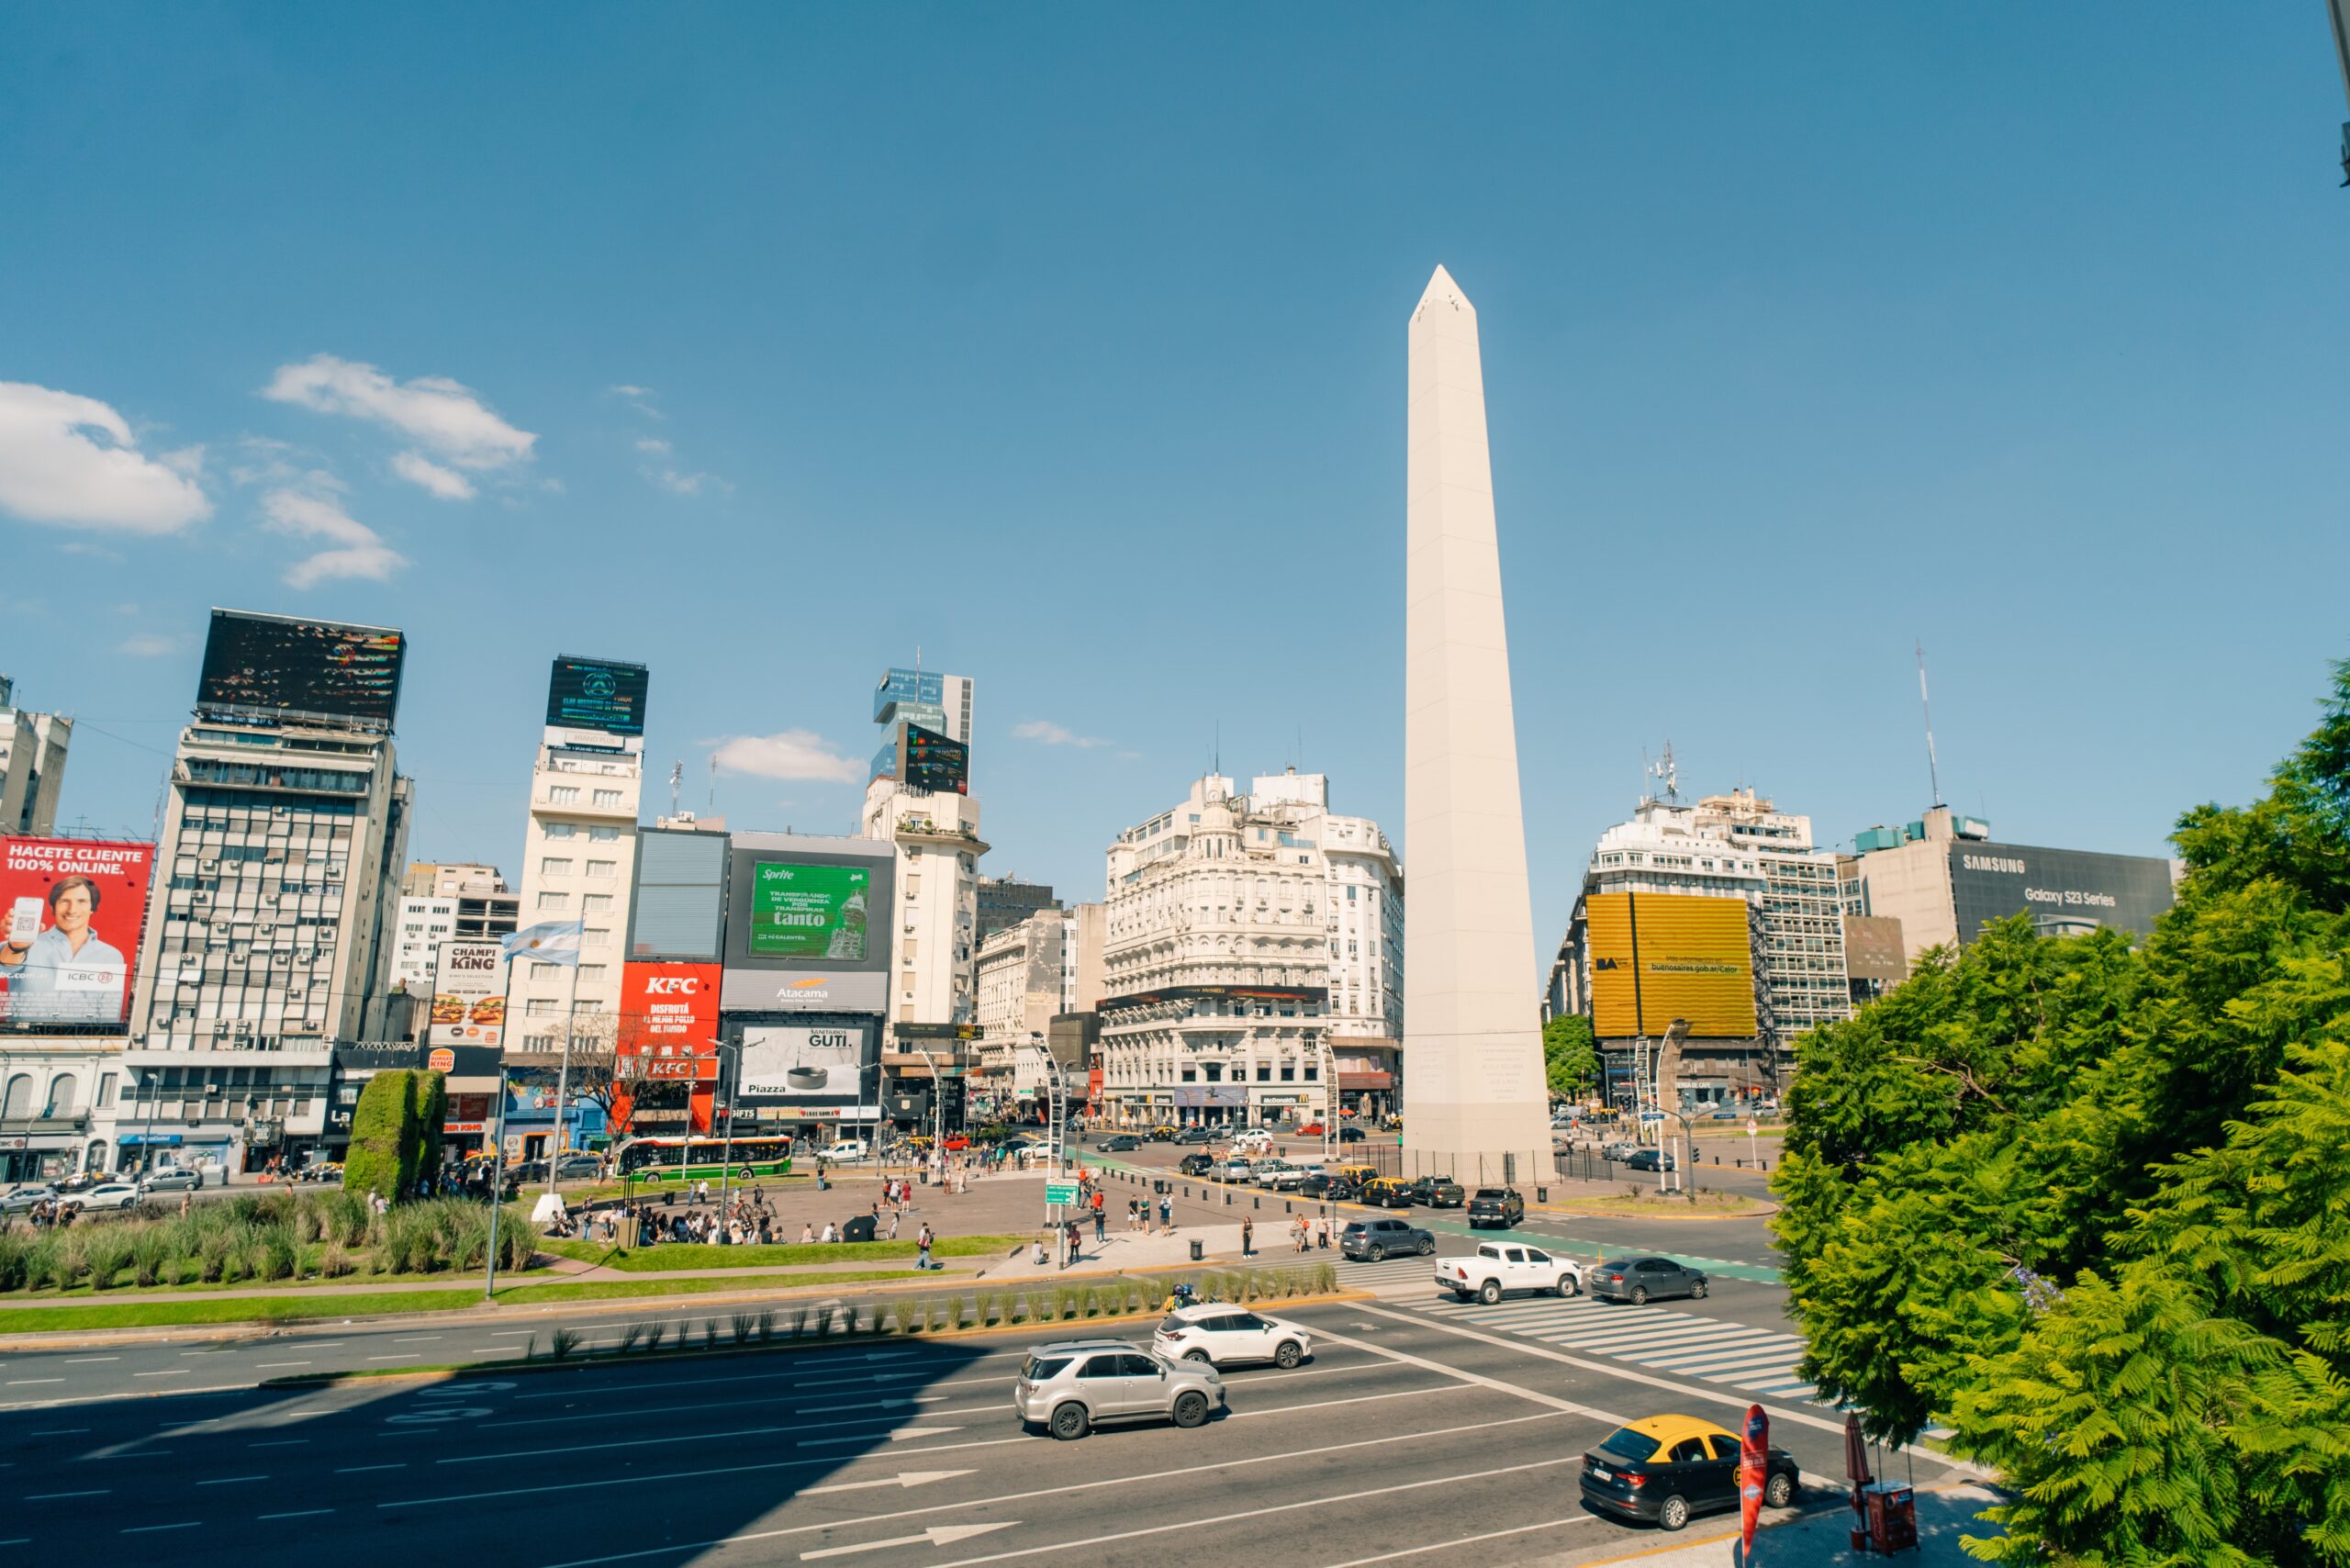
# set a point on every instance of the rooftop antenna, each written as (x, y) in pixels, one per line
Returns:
(712, 807)
(1664, 772)
(1933, 768)
(676, 781)
(1215, 761)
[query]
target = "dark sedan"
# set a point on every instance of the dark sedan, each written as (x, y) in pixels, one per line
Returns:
(1642, 1279)
(1651, 1160)
(1119, 1143)
(1438, 1193)
(1668, 1468)
(1195, 1164)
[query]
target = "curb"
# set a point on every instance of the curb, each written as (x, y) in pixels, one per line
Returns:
(846, 1341)
(1764, 1212)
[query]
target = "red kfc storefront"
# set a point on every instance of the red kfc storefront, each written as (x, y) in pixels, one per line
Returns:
(666, 1056)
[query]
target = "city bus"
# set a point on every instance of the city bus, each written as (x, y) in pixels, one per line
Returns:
(695, 1158)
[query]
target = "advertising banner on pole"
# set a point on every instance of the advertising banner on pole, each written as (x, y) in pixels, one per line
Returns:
(71, 913)
(468, 994)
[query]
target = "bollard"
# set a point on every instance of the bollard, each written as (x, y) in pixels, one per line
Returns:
(1286, 1209)
(1256, 1202)
(1227, 1200)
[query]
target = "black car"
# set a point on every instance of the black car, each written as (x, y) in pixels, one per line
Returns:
(1350, 1134)
(1438, 1193)
(1642, 1279)
(1668, 1468)
(1122, 1143)
(1195, 1135)
(1377, 1239)
(1195, 1164)
(1648, 1159)
(1324, 1187)
(1497, 1205)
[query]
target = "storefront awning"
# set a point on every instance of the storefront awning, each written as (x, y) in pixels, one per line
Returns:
(1365, 1079)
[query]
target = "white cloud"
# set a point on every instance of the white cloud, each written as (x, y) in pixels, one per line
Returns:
(1044, 731)
(151, 646)
(654, 445)
(678, 483)
(791, 755)
(359, 553)
(446, 483)
(55, 469)
(444, 417)
(639, 398)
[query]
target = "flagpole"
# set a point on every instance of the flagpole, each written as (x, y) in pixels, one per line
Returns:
(563, 1073)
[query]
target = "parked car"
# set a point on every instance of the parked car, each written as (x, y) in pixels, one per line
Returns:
(1220, 1335)
(1438, 1193)
(18, 1200)
(105, 1195)
(573, 1166)
(1195, 1164)
(1262, 1172)
(1651, 1160)
(1288, 1179)
(1071, 1387)
(1619, 1150)
(1231, 1167)
(1668, 1468)
(82, 1181)
(1324, 1187)
(1375, 1240)
(1387, 1192)
(1120, 1143)
(172, 1179)
(1499, 1268)
(1497, 1205)
(853, 1149)
(1641, 1280)
(330, 1170)
(1195, 1135)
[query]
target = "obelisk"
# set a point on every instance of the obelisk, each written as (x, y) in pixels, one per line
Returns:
(1474, 1096)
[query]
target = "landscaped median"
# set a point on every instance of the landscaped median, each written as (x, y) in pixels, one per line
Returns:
(1648, 1204)
(672, 1256)
(810, 1323)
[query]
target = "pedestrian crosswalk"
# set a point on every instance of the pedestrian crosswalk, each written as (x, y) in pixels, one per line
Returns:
(1762, 1360)
(1391, 1276)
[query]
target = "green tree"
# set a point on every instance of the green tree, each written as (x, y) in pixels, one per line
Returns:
(385, 1140)
(429, 1098)
(1569, 1054)
(2090, 1204)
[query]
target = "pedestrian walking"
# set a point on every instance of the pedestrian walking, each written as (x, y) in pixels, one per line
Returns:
(1167, 1213)
(923, 1260)
(1101, 1222)
(1247, 1238)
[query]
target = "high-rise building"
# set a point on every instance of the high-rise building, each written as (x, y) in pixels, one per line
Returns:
(1007, 900)
(1942, 877)
(1244, 935)
(1027, 974)
(919, 797)
(283, 834)
(579, 851)
(32, 765)
(439, 902)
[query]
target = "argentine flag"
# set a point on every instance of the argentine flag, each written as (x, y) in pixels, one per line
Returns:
(549, 942)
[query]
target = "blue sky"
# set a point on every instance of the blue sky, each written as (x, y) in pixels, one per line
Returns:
(765, 344)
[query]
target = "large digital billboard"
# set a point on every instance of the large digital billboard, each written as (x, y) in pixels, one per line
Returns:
(597, 694)
(808, 923)
(931, 763)
(808, 1064)
(1657, 956)
(669, 1010)
(678, 908)
(275, 667)
(468, 993)
(72, 912)
(2065, 891)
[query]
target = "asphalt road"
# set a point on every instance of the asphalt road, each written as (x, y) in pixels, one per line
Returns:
(1406, 1434)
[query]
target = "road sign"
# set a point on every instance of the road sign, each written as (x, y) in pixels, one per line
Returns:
(1750, 1127)
(1650, 1118)
(1060, 1192)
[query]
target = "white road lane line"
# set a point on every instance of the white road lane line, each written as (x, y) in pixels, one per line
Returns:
(150, 1530)
(299, 1513)
(231, 1480)
(52, 1496)
(84, 1360)
(418, 1339)
(364, 1469)
(28, 1381)
(281, 1443)
(175, 1371)
(60, 1433)
(1469, 1540)
(1025, 1497)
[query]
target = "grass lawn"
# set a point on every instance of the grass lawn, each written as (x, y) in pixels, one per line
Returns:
(154, 1314)
(671, 1255)
(1708, 1203)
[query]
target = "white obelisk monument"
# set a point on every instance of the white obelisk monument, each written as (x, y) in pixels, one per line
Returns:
(1474, 1098)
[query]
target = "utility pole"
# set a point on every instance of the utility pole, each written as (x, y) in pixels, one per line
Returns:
(2334, 10)
(1933, 768)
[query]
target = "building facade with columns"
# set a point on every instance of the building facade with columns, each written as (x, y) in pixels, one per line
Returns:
(1246, 936)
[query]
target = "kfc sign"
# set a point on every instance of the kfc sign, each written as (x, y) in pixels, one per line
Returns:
(693, 1070)
(668, 1009)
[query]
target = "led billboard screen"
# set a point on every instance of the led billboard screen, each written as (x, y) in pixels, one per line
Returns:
(808, 1064)
(669, 1010)
(468, 994)
(274, 667)
(1657, 956)
(931, 762)
(808, 923)
(678, 909)
(2065, 891)
(597, 694)
(72, 911)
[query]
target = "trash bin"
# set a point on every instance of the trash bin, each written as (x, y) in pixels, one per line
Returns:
(1199, 1249)
(1541, 1194)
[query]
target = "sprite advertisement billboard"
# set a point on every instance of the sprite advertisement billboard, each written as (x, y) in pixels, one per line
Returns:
(808, 911)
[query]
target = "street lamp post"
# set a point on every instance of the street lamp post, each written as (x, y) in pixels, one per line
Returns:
(1059, 1125)
(937, 1112)
(726, 1156)
(497, 1187)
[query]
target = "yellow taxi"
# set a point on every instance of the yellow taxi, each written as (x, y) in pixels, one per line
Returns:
(1665, 1469)
(1387, 1192)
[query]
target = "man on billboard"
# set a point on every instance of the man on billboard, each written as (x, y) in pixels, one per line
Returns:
(63, 973)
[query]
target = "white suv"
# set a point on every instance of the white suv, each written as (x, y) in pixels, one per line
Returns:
(1219, 1333)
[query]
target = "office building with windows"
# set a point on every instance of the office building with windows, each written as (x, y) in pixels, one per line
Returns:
(32, 765)
(442, 902)
(578, 863)
(930, 814)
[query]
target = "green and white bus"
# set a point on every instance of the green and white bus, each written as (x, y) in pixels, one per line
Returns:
(698, 1158)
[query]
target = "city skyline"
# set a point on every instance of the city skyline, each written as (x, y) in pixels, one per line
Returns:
(2010, 433)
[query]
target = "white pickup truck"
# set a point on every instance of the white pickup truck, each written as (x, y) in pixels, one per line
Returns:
(1499, 1267)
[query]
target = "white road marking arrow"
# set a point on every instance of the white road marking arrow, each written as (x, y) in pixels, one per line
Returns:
(902, 1434)
(936, 1535)
(905, 1478)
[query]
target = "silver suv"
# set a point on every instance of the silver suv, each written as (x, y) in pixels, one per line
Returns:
(1072, 1385)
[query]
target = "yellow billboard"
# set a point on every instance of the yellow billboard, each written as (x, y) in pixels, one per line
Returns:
(1657, 956)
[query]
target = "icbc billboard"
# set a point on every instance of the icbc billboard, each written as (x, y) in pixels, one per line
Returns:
(669, 1010)
(74, 910)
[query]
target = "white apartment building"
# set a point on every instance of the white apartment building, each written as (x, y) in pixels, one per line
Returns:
(32, 766)
(934, 928)
(1027, 973)
(1250, 940)
(578, 863)
(276, 872)
(439, 902)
